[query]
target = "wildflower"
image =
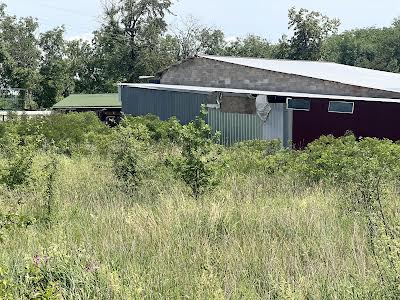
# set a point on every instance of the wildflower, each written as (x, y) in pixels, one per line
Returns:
(36, 260)
(91, 267)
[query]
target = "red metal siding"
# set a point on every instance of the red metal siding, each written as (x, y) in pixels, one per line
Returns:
(370, 119)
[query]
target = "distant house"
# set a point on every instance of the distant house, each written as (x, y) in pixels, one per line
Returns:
(106, 106)
(250, 98)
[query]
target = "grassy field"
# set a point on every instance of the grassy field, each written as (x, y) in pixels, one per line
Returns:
(258, 235)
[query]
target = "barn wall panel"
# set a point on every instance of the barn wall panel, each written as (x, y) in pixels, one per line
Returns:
(164, 104)
(370, 119)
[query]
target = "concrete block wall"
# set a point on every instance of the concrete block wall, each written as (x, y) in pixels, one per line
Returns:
(206, 72)
(238, 104)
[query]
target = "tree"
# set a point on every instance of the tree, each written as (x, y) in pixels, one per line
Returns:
(129, 38)
(19, 53)
(310, 31)
(251, 46)
(84, 67)
(212, 41)
(3, 62)
(194, 38)
(375, 48)
(199, 164)
(55, 81)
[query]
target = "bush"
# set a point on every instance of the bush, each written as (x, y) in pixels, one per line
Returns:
(166, 131)
(199, 164)
(10, 221)
(250, 156)
(73, 132)
(128, 155)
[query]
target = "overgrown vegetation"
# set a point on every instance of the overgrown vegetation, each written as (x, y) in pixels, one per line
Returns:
(154, 209)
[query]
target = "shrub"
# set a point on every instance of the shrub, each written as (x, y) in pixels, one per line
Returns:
(250, 156)
(158, 130)
(10, 221)
(128, 154)
(73, 132)
(18, 166)
(199, 164)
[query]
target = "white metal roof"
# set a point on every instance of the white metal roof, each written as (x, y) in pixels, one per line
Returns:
(321, 70)
(208, 90)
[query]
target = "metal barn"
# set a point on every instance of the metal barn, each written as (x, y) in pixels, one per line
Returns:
(184, 103)
(294, 101)
(293, 118)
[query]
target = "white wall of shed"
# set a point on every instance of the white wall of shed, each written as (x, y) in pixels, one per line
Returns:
(279, 124)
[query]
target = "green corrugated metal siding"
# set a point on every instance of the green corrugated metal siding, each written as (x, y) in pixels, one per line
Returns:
(235, 127)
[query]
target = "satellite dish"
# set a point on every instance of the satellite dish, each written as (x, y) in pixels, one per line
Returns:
(263, 107)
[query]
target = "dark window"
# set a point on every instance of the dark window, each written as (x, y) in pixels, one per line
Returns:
(341, 107)
(298, 104)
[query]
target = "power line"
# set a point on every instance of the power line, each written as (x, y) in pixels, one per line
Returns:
(65, 10)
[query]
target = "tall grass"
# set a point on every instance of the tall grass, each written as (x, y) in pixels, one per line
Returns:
(281, 225)
(248, 240)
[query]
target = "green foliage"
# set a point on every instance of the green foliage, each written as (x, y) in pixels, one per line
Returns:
(198, 165)
(250, 156)
(344, 212)
(128, 154)
(10, 221)
(19, 52)
(74, 132)
(126, 48)
(374, 48)
(38, 285)
(50, 173)
(191, 38)
(341, 160)
(386, 250)
(310, 31)
(160, 131)
(5, 284)
(251, 46)
(48, 276)
(18, 169)
(55, 82)
(132, 41)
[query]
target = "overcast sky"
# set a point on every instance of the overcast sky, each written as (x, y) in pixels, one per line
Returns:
(235, 17)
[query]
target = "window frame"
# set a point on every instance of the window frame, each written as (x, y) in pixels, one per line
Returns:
(341, 112)
(300, 109)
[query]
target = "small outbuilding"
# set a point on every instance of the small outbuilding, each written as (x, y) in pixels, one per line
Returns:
(294, 101)
(106, 106)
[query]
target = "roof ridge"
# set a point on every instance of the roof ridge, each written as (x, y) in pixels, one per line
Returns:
(334, 72)
(271, 59)
(299, 60)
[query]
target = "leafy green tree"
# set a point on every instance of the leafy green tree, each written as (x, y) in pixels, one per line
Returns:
(310, 30)
(194, 38)
(129, 159)
(375, 48)
(129, 38)
(212, 41)
(199, 164)
(55, 81)
(19, 53)
(82, 67)
(251, 46)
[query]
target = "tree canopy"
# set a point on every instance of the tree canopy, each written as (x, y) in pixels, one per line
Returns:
(134, 39)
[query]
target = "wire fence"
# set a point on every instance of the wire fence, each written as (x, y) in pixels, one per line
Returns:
(14, 98)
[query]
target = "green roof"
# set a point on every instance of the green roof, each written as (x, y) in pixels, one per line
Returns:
(89, 101)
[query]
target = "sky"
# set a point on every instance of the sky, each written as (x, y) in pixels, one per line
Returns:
(236, 18)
